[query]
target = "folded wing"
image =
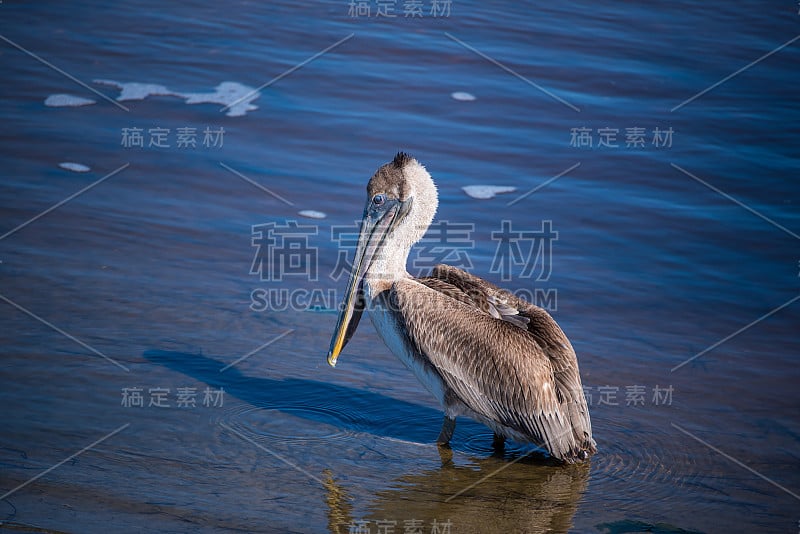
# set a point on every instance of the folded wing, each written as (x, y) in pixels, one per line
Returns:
(505, 359)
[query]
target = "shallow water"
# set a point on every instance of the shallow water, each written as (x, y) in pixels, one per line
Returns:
(151, 268)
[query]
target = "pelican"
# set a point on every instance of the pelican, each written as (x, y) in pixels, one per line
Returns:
(480, 350)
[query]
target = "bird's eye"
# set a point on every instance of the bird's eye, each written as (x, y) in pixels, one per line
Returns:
(379, 199)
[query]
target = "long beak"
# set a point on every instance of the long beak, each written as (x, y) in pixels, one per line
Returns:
(375, 226)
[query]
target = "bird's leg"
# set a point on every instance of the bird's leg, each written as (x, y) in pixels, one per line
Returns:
(448, 426)
(445, 455)
(498, 442)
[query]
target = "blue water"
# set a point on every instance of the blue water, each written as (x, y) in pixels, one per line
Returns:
(152, 267)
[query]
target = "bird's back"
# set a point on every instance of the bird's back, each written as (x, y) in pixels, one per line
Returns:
(505, 359)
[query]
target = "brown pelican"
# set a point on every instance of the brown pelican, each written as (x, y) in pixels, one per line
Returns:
(480, 350)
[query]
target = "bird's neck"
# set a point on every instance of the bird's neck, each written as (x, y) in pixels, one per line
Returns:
(388, 266)
(390, 263)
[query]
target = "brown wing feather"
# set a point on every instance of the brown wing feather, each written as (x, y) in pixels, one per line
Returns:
(528, 382)
(447, 280)
(541, 326)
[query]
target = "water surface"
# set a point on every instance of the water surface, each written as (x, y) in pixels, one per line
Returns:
(152, 267)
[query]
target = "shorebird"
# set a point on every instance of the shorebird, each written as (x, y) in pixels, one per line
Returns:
(480, 350)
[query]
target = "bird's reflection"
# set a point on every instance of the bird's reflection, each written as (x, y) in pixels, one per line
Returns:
(484, 495)
(339, 505)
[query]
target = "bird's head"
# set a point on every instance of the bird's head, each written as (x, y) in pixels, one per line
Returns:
(403, 191)
(401, 203)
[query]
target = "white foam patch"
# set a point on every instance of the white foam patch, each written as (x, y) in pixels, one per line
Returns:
(74, 167)
(67, 101)
(312, 214)
(236, 95)
(484, 192)
(233, 94)
(136, 90)
(463, 96)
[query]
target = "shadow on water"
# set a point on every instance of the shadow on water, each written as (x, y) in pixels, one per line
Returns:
(516, 491)
(342, 407)
(483, 496)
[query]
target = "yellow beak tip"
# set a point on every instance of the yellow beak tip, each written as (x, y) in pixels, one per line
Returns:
(332, 359)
